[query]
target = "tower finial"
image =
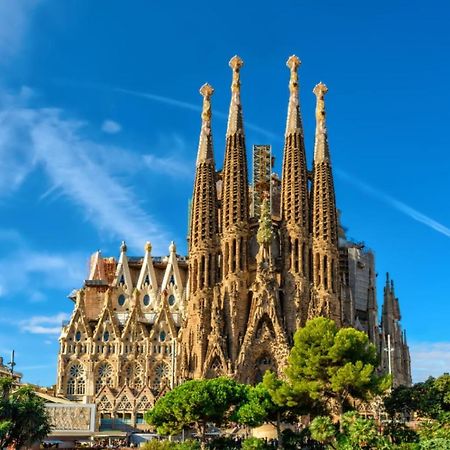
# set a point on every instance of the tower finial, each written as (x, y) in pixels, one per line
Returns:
(205, 143)
(235, 122)
(236, 63)
(320, 90)
(148, 247)
(293, 121)
(206, 91)
(123, 247)
(321, 147)
(293, 63)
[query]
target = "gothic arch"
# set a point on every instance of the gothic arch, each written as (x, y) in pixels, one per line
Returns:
(103, 375)
(265, 329)
(215, 369)
(132, 375)
(76, 379)
(161, 373)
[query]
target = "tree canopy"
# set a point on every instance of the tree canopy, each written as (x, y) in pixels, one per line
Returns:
(332, 368)
(430, 398)
(196, 403)
(23, 418)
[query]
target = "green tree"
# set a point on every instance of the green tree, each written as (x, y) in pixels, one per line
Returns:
(430, 398)
(324, 431)
(334, 368)
(197, 403)
(263, 405)
(23, 417)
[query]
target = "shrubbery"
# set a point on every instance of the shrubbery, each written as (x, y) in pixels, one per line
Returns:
(253, 443)
(155, 444)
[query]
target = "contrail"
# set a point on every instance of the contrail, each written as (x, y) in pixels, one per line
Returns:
(192, 107)
(394, 203)
(163, 99)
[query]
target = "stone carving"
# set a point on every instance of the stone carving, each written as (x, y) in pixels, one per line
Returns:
(70, 418)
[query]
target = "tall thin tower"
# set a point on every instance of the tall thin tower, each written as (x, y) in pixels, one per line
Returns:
(294, 211)
(325, 255)
(235, 220)
(203, 249)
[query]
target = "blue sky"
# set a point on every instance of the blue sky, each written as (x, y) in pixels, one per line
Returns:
(99, 122)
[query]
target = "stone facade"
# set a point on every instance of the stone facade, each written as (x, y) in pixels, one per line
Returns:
(142, 325)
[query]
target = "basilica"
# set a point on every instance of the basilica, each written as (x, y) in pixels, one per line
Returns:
(263, 259)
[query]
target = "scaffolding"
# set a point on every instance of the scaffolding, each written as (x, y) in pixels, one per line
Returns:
(262, 170)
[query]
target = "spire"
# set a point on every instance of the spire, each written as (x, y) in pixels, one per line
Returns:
(205, 146)
(123, 275)
(203, 223)
(321, 151)
(324, 203)
(264, 235)
(295, 206)
(235, 122)
(235, 219)
(147, 275)
(235, 183)
(324, 217)
(293, 122)
(294, 195)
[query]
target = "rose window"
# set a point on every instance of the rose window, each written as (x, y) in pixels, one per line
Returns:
(105, 370)
(76, 384)
(161, 372)
(77, 370)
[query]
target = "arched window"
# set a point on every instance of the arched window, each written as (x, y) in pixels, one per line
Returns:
(171, 300)
(78, 336)
(146, 300)
(325, 272)
(132, 375)
(162, 336)
(216, 369)
(121, 300)
(160, 372)
(76, 382)
(104, 376)
(106, 336)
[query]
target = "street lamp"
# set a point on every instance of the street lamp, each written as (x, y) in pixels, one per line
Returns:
(12, 363)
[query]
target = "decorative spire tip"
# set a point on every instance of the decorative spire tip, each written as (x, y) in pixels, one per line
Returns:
(236, 63)
(148, 247)
(123, 247)
(320, 89)
(172, 247)
(293, 63)
(206, 90)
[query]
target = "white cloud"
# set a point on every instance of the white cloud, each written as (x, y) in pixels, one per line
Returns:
(429, 359)
(31, 271)
(46, 138)
(14, 23)
(111, 127)
(173, 164)
(43, 324)
(394, 203)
